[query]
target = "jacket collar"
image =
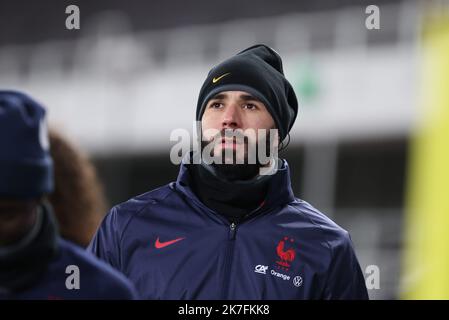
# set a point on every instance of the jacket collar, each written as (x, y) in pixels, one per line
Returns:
(279, 190)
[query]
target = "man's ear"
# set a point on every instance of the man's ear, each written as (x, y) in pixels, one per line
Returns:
(282, 145)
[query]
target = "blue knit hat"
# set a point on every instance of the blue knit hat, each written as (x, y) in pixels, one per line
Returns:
(26, 168)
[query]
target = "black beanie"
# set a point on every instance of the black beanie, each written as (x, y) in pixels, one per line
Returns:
(26, 168)
(258, 71)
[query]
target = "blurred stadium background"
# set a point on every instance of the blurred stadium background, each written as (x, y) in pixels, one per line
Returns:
(132, 73)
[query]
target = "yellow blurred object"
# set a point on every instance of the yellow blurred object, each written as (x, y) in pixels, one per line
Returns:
(426, 258)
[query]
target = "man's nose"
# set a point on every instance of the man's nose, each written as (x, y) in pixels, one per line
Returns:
(231, 117)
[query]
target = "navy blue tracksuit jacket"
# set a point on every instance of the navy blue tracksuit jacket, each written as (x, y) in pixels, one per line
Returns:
(171, 246)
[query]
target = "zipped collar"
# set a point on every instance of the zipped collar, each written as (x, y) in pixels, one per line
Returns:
(279, 190)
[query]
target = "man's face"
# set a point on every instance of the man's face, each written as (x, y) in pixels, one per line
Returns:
(237, 111)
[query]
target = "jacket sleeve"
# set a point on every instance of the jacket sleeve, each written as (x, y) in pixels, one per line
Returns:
(345, 279)
(106, 242)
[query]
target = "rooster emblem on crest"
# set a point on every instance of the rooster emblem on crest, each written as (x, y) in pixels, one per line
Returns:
(287, 256)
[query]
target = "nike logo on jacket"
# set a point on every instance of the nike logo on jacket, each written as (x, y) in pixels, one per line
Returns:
(160, 245)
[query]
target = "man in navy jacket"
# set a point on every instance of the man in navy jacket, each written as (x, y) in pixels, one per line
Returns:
(232, 229)
(35, 263)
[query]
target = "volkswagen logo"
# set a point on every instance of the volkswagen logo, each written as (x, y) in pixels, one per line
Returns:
(297, 281)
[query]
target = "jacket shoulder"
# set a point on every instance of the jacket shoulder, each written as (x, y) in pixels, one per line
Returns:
(126, 210)
(146, 198)
(117, 220)
(334, 234)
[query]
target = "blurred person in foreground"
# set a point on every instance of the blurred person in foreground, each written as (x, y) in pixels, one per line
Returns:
(35, 263)
(78, 200)
(233, 229)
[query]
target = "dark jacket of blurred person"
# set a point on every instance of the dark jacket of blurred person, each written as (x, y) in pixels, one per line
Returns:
(35, 262)
(78, 199)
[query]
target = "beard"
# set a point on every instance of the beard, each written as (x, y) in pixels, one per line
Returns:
(234, 170)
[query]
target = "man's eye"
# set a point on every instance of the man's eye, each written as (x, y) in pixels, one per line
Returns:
(250, 106)
(215, 105)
